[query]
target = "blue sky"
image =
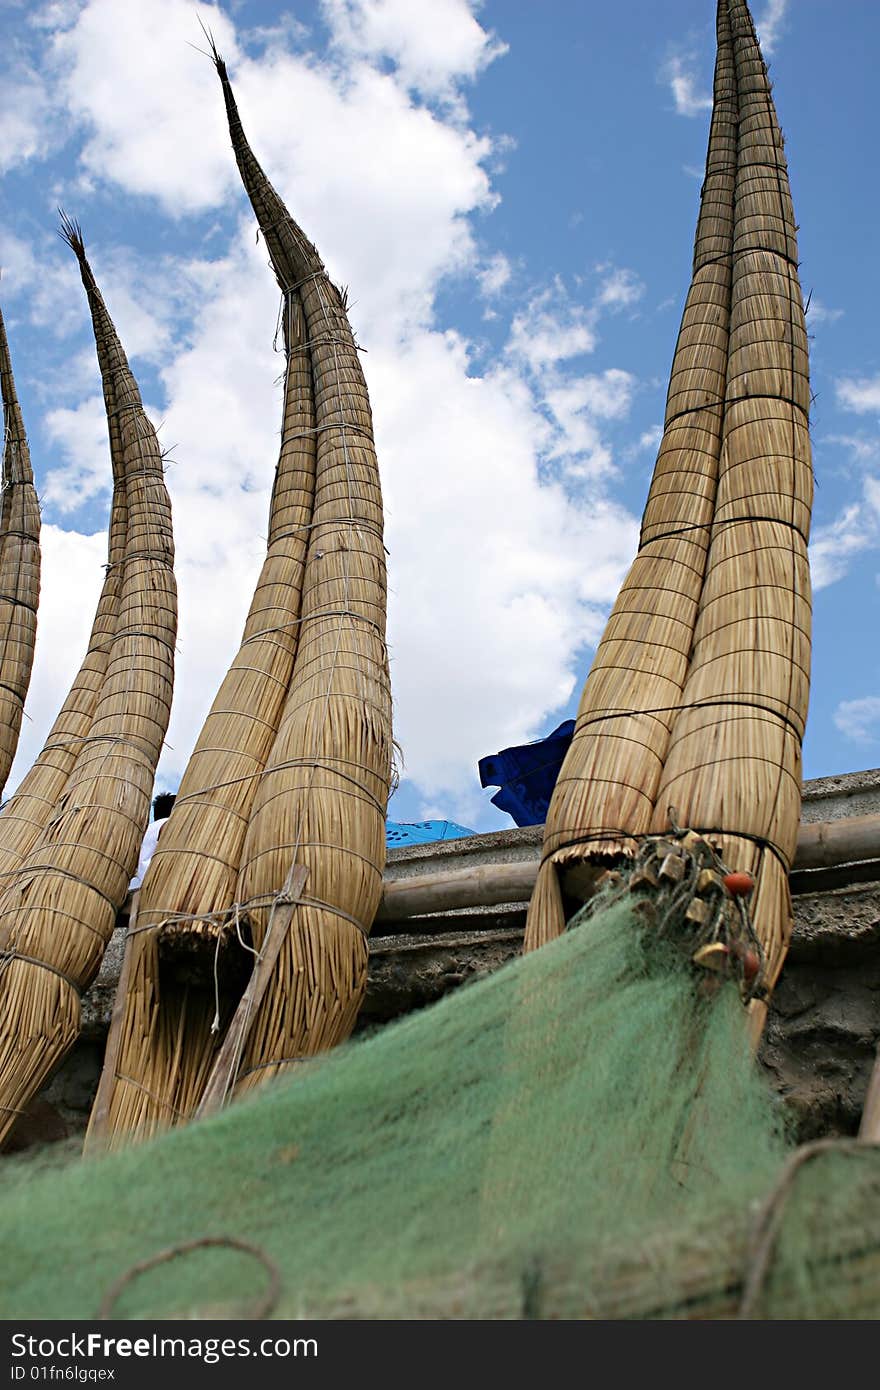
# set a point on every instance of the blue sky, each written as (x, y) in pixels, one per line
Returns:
(510, 192)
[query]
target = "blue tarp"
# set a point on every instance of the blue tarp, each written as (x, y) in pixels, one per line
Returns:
(527, 775)
(423, 832)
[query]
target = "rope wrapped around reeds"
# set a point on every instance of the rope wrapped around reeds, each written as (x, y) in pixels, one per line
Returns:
(301, 763)
(608, 783)
(732, 764)
(19, 565)
(58, 910)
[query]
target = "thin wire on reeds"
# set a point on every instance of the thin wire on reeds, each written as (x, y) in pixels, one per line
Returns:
(609, 780)
(734, 761)
(19, 565)
(307, 757)
(58, 911)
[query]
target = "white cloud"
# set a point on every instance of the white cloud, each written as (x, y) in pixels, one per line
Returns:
(167, 137)
(81, 436)
(551, 329)
(492, 605)
(495, 275)
(856, 529)
(770, 25)
(683, 83)
(26, 129)
(620, 289)
(434, 46)
(817, 312)
(862, 449)
(554, 327)
(861, 394)
(858, 719)
(71, 576)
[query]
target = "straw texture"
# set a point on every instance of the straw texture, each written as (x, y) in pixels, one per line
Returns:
(731, 706)
(322, 800)
(735, 757)
(293, 766)
(19, 565)
(58, 911)
(609, 780)
(166, 1042)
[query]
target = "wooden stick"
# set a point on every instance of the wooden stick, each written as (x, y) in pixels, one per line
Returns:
(218, 1083)
(869, 1129)
(95, 1136)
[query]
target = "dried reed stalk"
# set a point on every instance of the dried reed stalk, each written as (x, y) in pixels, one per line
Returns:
(166, 1043)
(58, 912)
(321, 802)
(19, 565)
(305, 733)
(24, 816)
(734, 761)
(607, 786)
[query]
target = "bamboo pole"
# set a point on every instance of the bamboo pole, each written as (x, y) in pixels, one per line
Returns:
(824, 844)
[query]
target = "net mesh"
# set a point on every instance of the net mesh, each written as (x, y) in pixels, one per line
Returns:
(580, 1134)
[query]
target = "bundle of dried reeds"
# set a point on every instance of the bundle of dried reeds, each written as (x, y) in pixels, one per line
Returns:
(19, 565)
(321, 802)
(57, 911)
(291, 781)
(727, 754)
(158, 1062)
(734, 762)
(608, 783)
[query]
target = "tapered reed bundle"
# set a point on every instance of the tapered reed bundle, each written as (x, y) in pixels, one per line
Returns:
(734, 762)
(321, 802)
(726, 745)
(607, 786)
(165, 1042)
(296, 766)
(58, 911)
(19, 565)
(24, 815)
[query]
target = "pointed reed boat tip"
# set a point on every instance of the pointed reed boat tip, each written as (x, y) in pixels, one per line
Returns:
(71, 233)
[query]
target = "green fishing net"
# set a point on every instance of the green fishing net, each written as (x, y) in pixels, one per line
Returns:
(579, 1135)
